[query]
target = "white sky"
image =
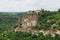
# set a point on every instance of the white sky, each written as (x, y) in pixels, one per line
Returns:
(25, 5)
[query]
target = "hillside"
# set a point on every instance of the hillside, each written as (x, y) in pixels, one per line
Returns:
(31, 25)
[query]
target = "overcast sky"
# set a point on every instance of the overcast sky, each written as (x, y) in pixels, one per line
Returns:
(25, 5)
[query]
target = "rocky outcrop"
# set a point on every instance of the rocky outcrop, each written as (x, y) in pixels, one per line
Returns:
(27, 21)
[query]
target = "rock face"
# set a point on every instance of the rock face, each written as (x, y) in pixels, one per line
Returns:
(29, 21)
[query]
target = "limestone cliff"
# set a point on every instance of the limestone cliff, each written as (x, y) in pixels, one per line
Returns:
(29, 20)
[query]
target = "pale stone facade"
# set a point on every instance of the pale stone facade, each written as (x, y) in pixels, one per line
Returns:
(29, 21)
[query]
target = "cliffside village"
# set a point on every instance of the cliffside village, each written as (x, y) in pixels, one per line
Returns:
(27, 22)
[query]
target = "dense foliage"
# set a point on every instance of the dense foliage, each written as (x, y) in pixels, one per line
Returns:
(8, 35)
(47, 20)
(7, 21)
